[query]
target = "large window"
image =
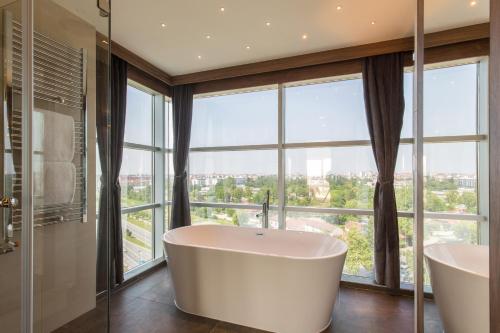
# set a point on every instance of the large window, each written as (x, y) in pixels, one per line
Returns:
(234, 157)
(311, 150)
(168, 162)
(330, 171)
(142, 188)
(455, 157)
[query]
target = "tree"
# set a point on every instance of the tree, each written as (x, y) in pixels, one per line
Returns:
(135, 195)
(235, 220)
(404, 197)
(219, 191)
(469, 199)
(298, 191)
(201, 212)
(204, 212)
(230, 212)
(237, 194)
(260, 186)
(465, 232)
(433, 184)
(406, 231)
(360, 252)
(452, 199)
(247, 192)
(433, 203)
(350, 192)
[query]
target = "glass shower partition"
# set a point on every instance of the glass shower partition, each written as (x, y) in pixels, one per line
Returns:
(54, 67)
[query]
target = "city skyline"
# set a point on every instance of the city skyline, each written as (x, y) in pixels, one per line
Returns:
(251, 118)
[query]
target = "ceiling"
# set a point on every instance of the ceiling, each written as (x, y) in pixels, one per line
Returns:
(240, 34)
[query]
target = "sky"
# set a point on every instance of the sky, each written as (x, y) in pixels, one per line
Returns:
(139, 117)
(320, 112)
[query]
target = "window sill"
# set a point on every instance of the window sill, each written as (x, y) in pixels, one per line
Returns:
(137, 271)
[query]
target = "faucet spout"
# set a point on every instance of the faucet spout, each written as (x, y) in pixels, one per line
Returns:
(264, 215)
(265, 211)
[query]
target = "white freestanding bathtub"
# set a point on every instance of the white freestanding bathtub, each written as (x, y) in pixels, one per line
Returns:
(460, 283)
(274, 280)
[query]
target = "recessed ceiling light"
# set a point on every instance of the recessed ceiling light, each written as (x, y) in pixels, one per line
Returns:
(199, 57)
(304, 36)
(372, 23)
(268, 24)
(208, 36)
(473, 3)
(163, 25)
(247, 47)
(339, 7)
(222, 9)
(105, 41)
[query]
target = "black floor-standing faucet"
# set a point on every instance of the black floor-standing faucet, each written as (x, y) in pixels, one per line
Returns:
(265, 211)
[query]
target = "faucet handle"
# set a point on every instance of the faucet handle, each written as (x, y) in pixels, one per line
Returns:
(8, 202)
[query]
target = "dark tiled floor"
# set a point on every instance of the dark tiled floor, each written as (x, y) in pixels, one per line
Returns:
(147, 306)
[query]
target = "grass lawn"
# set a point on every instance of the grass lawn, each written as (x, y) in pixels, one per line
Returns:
(137, 242)
(198, 219)
(139, 223)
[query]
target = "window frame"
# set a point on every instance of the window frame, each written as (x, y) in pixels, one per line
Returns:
(241, 148)
(158, 201)
(480, 138)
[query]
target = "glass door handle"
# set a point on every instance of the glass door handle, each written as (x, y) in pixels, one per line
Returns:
(8, 202)
(8, 244)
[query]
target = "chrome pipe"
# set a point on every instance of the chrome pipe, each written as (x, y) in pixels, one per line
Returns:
(264, 215)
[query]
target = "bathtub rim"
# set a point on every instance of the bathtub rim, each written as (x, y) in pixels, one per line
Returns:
(454, 266)
(343, 252)
(195, 314)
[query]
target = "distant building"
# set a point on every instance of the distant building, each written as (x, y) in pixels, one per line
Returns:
(466, 182)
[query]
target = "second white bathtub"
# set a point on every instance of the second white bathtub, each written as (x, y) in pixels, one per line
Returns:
(460, 283)
(274, 280)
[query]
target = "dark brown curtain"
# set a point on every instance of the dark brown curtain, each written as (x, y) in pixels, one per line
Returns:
(182, 108)
(384, 103)
(110, 208)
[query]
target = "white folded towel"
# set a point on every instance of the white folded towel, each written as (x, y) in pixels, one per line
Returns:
(54, 174)
(59, 184)
(37, 169)
(54, 135)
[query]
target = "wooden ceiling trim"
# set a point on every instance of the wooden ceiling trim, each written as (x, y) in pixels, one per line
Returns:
(283, 76)
(135, 60)
(469, 49)
(149, 81)
(459, 35)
